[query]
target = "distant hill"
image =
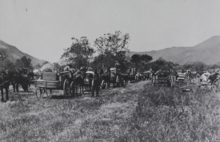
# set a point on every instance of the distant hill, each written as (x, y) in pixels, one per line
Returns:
(14, 53)
(207, 52)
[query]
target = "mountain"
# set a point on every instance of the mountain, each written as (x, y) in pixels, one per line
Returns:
(207, 52)
(14, 53)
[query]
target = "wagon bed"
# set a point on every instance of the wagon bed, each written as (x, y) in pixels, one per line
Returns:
(52, 81)
(161, 78)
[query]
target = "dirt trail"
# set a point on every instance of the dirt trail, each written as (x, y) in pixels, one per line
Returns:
(77, 119)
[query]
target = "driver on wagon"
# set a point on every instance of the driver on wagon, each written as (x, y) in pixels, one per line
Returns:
(67, 68)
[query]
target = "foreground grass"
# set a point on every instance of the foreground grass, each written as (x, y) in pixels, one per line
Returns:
(79, 119)
(169, 115)
(138, 112)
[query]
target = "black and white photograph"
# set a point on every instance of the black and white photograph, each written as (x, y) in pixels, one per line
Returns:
(110, 71)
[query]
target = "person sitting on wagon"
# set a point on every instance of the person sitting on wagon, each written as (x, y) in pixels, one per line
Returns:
(68, 73)
(83, 71)
(67, 67)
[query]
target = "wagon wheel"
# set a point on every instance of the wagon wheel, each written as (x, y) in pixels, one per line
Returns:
(38, 92)
(49, 93)
(214, 88)
(66, 87)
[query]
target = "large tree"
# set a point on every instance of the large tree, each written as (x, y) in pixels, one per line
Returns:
(24, 62)
(79, 52)
(136, 58)
(103, 60)
(140, 61)
(113, 46)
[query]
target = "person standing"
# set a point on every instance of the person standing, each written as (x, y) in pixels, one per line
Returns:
(95, 84)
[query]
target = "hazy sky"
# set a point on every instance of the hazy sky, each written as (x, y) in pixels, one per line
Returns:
(43, 28)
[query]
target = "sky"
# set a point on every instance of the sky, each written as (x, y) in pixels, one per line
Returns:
(43, 28)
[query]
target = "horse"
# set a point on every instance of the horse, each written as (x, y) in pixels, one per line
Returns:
(4, 84)
(132, 73)
(77, 82)
(20, 77)
(30, 77)
(105, 80)
(213, 78)
(115, 78)
(125, 78)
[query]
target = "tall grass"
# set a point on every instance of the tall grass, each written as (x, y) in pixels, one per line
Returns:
(173, 116)
(136, 113)
(77, 119)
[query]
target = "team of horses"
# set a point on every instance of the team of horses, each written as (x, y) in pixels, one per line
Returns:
(105, 80)
(25, 77)
(16, 78)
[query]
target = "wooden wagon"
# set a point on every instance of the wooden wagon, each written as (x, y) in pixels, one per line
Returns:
(205, 85)
(161, 78)
(115, 78)
(52, 81)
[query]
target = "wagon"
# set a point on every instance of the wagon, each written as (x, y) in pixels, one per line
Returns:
(147, 74)
(115, 77)
(181, 77)
(52, 81)
(161, 78)
(87, 82)
(204, 85)
(80, 84)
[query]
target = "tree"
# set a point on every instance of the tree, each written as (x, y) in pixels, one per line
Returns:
(161, 64)
(19, 64)
(79, 52)
(106, 60)
(140, 61)
(24, 62)
(113, 43)
(136, 58)
(199, 66)
(146, 58)
(113, 46)
(27, 62)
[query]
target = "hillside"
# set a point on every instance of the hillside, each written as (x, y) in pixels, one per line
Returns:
(14, 53)
(207, 52)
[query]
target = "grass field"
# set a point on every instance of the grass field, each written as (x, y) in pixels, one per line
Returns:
(138, 112)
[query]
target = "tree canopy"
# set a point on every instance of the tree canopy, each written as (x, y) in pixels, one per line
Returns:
(140, 61)
(79, 52)
(23, 62)
(112, 48)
